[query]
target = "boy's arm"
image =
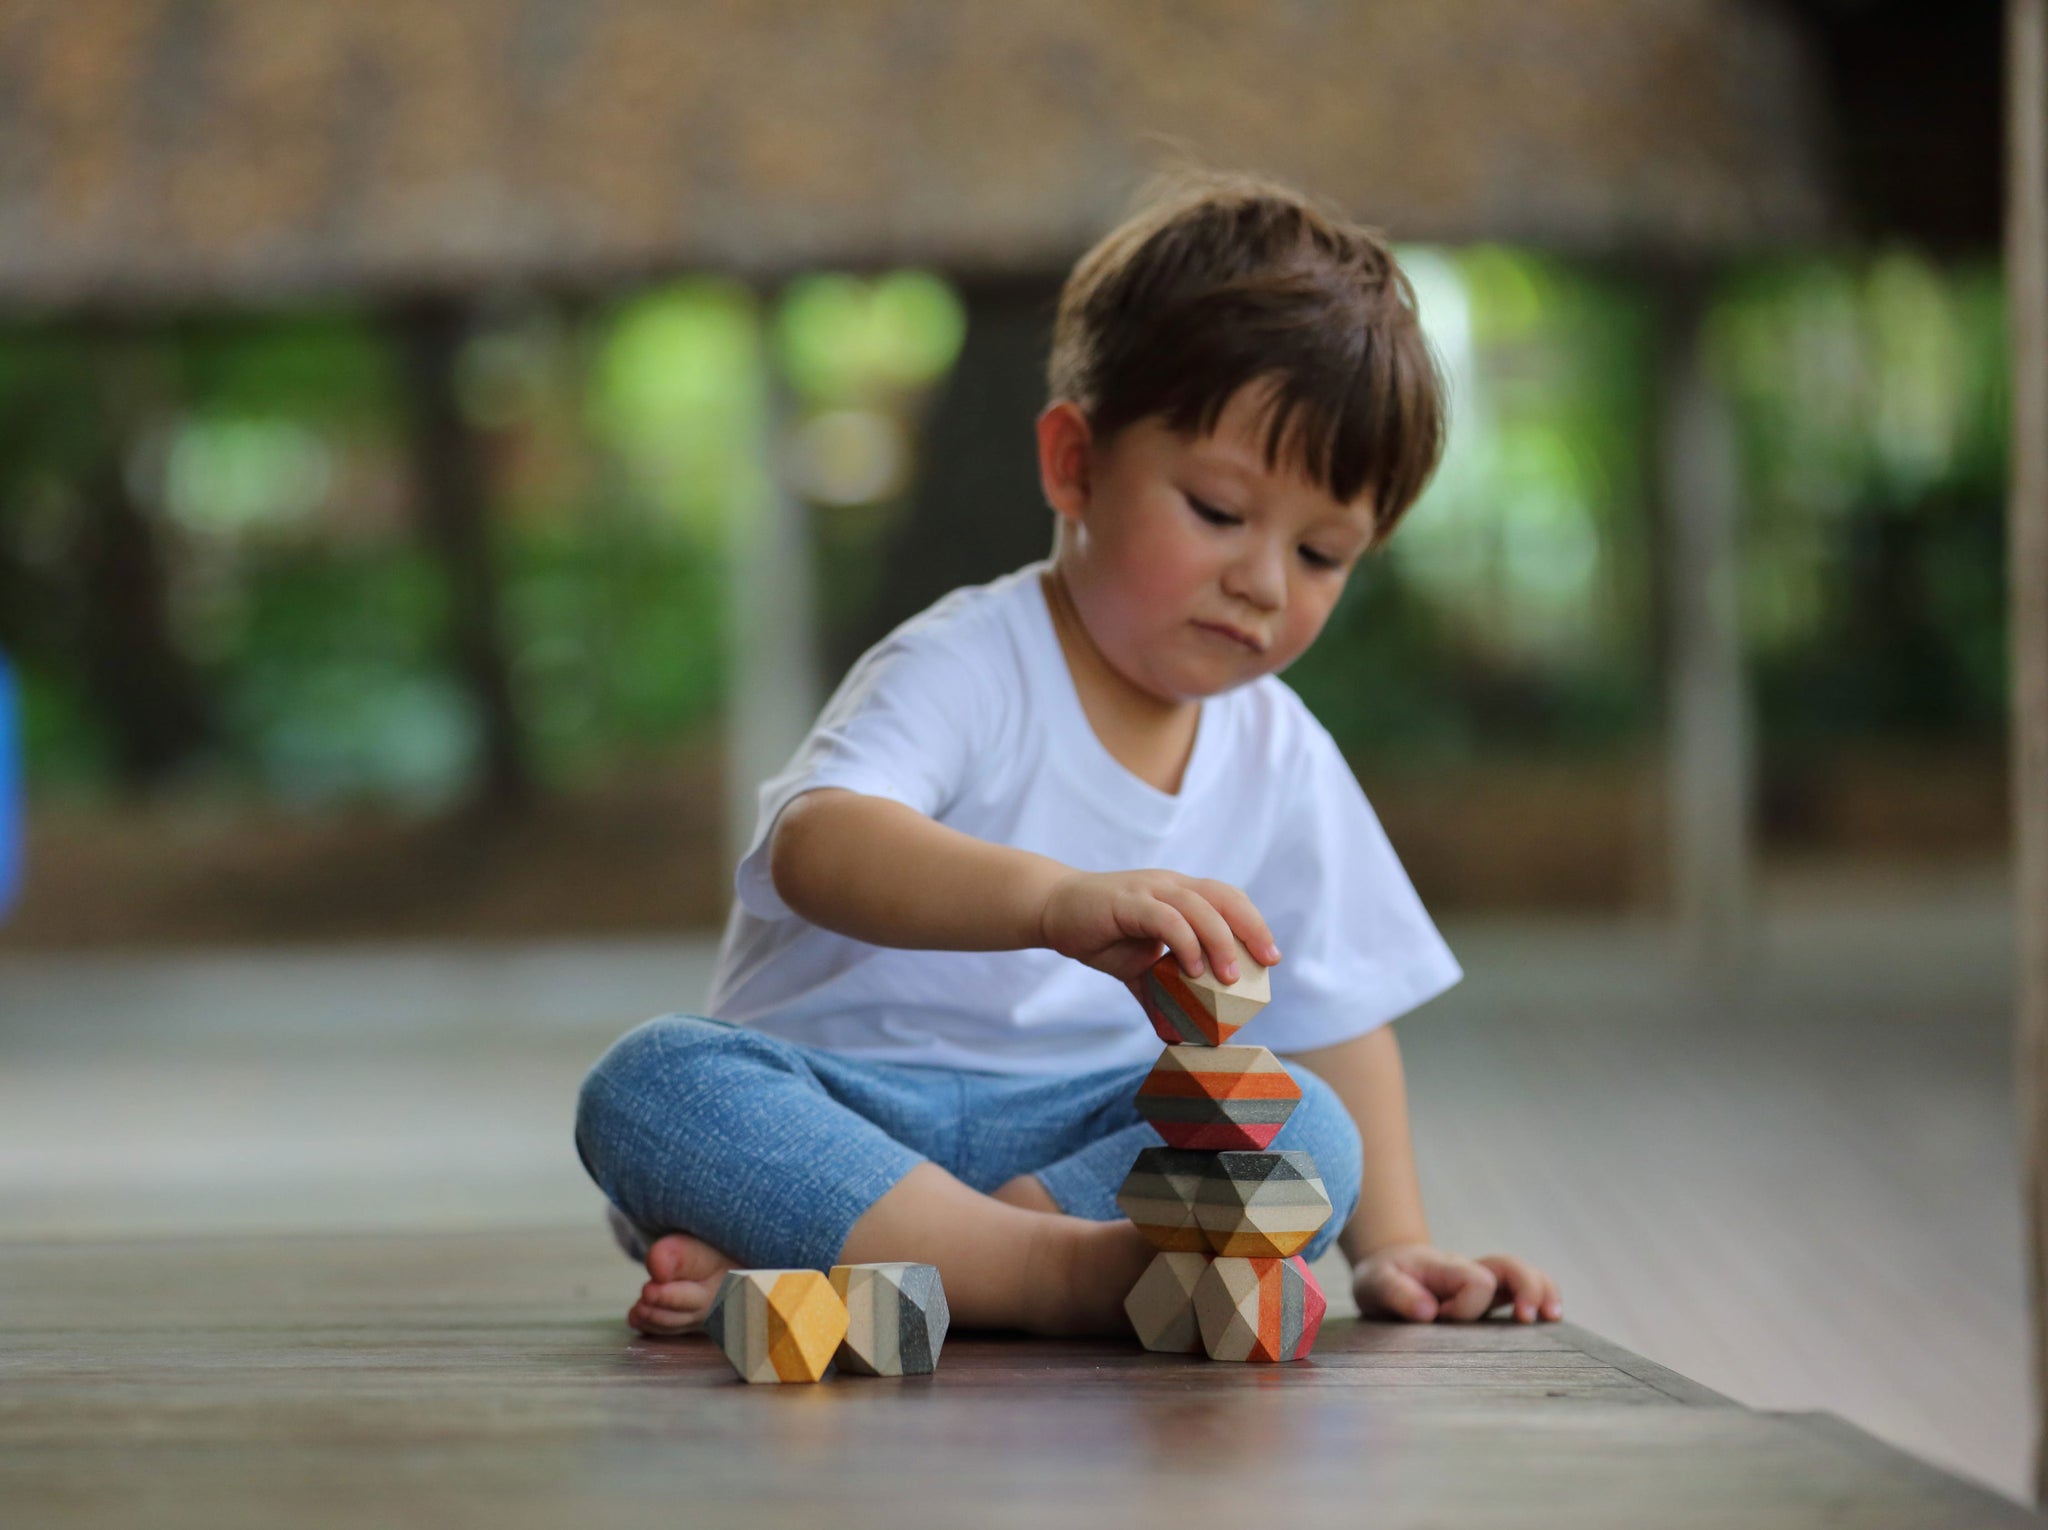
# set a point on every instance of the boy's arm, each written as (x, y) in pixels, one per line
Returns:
(1365, 1072)
(1395, 1269)
(885, 873)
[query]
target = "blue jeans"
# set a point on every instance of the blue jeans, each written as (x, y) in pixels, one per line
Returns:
(770, 1151)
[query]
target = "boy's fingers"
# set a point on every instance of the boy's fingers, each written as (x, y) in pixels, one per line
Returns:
(1400, 1293)
(1212, 929)
(1246, 920)
(1172, 926)
(1472, 1287)
(1521, 1283)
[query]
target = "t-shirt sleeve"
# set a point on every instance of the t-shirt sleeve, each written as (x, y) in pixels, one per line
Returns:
(905, 724)
(1357, 948)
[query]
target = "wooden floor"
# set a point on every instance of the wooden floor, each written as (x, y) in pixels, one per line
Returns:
(1800, 1190)
(486, 1379)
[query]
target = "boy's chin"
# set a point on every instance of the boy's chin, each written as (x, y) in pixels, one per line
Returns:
(1202, 687)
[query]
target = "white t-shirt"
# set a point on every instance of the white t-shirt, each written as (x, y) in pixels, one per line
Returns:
(967, 713)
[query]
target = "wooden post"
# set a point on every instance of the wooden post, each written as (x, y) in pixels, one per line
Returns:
(774, 696)
(1707, 731)
(454, 511)
(2026, 265)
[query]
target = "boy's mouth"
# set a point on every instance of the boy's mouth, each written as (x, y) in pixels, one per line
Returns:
(1235, 634)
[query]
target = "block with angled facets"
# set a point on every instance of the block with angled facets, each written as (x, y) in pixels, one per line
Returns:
(1201, 1010)
(777, 1325)
(1260, 1205)
(1161, 1305)
(896, 1318)
(1218, 1097)
(1159, 1196)
(1261, 1310)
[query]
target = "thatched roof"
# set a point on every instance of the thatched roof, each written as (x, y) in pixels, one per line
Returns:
(178, 151)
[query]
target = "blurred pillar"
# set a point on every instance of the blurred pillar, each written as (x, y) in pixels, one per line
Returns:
(1708, 765)
(152, 699)
(13, 831)
(2026, 268)
(976, 510)
(454, 509)
(775, 693)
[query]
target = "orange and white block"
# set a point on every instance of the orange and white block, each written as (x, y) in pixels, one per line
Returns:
(777, 1325)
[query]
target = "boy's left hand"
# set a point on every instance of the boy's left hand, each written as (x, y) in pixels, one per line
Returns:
(1424, 1284)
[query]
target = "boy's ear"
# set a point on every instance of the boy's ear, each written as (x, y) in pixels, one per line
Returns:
(1065, 448)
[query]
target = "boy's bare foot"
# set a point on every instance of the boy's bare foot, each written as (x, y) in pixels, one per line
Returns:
(1006, 1262)
(683, 1275)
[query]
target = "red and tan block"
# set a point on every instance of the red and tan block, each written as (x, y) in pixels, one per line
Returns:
(1201, 1011)
(1218, 1098)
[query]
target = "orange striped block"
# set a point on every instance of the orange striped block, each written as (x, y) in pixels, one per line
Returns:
(1218, 1098)
(1261, 1310)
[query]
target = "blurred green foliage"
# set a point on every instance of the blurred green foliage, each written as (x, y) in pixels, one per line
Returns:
(1508, 610)
(1512, 611)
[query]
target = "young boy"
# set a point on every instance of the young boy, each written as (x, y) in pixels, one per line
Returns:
(923, 1045)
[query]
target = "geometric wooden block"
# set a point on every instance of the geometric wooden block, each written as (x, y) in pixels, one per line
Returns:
(1261, 1310)
(1161, 1305)
(1218, 1097)
(1202, 1011)
(777, 1325)
(896, 1318)
(1159, 1195)
(1260, 1205)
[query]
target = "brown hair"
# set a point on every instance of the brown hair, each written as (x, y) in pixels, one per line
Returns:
(1218, 280)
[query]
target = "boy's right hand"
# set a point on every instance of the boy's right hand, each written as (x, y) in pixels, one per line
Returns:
(1116, 921)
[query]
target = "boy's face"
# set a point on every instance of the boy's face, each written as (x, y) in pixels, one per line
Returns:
(1194, 568)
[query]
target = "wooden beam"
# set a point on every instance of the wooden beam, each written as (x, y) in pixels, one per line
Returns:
(2026, 252)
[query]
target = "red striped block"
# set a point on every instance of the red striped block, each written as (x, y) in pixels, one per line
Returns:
(1218, 1098)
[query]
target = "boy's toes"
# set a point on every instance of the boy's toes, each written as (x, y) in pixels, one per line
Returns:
(663, 1322)
(682, 1257)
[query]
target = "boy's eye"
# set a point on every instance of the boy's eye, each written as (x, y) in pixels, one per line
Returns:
(1315, 559)
(1210, 513)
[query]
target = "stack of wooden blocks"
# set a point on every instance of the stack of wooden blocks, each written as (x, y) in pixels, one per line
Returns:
(1227, 1214)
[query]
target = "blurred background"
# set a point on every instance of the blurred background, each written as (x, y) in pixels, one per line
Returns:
(447, 454)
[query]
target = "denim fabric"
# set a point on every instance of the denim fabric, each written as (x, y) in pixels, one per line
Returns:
(770, 1151)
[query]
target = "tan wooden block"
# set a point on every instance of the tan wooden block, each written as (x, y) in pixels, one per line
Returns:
(777, 1325)
(1161, 1306)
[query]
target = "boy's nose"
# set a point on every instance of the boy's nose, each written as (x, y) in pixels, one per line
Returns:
(1258, 577)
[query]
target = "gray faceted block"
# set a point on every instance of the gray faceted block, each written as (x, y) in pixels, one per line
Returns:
(896, 1318)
